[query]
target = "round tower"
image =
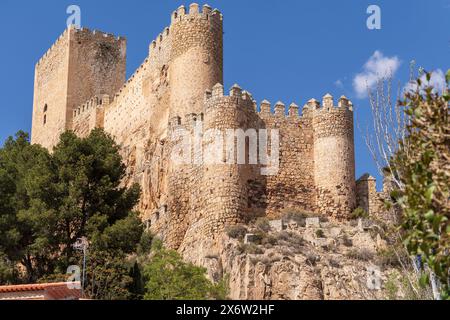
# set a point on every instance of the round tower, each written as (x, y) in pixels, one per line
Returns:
(223, 200)
(196, 57)
(334, 158)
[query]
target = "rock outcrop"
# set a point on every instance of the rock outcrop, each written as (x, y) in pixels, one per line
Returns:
(312, 260)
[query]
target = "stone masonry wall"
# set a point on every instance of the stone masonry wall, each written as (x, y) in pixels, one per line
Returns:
(196, 57)
(293, 186)
(176, 88)
(368, 198)
(334, 158)
(97, 64)
(90, 115)
(81, 64)
(50, 94)
(168, 82)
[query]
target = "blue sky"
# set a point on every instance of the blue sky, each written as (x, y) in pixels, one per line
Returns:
(286, 50)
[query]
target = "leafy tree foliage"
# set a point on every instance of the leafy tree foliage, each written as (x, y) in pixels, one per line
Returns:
(424, 167)
(7, 270)
(48, 201)
(24, 235)
(167, 277)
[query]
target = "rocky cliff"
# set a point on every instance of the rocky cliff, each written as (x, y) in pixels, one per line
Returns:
(299, 259)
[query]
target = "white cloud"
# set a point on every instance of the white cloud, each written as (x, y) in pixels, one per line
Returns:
(437, 81)
(377, 67)
(339, 84)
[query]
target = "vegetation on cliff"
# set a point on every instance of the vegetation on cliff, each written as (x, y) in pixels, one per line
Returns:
(168, 277)
(50, 200)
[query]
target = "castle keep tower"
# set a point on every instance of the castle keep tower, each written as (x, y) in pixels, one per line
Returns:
(80, 65)
(196, 57)
(334, 157)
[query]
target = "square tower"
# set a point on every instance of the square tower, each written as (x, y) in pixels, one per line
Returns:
(80, 65)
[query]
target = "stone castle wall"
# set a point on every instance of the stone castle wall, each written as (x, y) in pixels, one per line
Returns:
(50, 93)
(334, 158)
(369, 199)
(80, 65)
(90, 115)
(177, 87)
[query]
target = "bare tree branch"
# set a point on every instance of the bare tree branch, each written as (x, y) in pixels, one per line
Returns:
(388, 126)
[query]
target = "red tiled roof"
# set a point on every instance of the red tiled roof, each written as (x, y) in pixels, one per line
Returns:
(57, 291)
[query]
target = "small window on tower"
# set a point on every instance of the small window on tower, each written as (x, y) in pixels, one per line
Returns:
(45, 108)
(45, 118)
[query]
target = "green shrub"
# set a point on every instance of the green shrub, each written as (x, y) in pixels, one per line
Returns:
(271, 240)
(391, 287)
(263, 224)
(283, 236)
(289, 239)
(320, 233)
(387, 258)
(259, 236)
(168, 277)
(346, 241)
(236, 232)
(359, 213)
(296, 240)
(324, 219)
(312, 259)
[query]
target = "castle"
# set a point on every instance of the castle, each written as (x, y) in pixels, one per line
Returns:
(80, 84)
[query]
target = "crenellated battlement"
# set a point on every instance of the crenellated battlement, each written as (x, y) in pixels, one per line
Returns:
(96, 34)
(161, 51)
(328, 105)
(94, 102)
(280, 110)
(236, 96)
(143, 66)
(187, 122)
(195, 12)
(327, 115)
(181, 14)
(331, 120)
(89, 115)
(65, 37)
(163, 39)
